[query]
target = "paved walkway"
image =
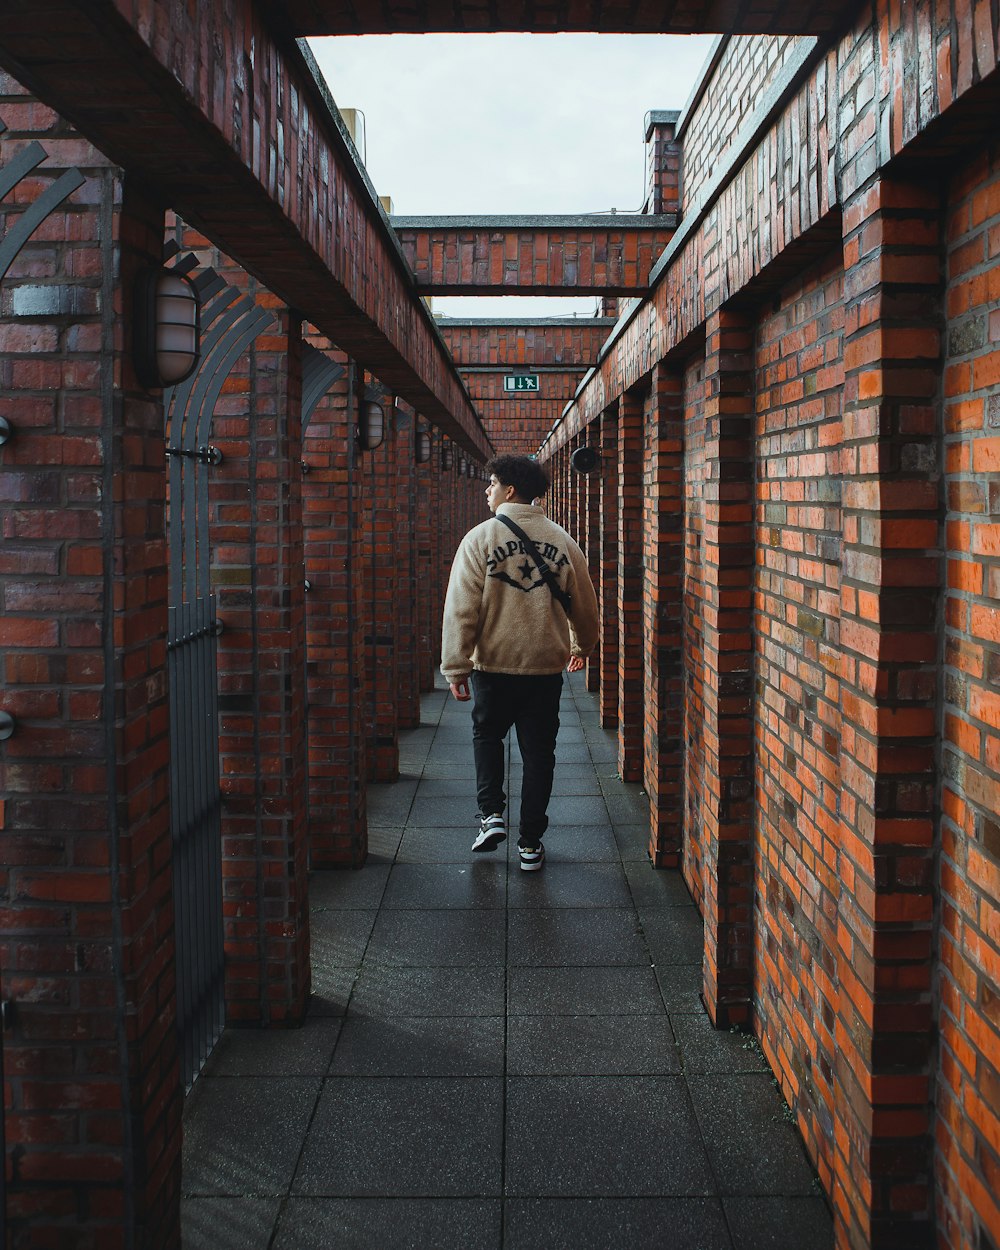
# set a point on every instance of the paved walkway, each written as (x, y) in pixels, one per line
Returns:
(498, 1058)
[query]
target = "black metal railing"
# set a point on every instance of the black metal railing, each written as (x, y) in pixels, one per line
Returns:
(195, 818)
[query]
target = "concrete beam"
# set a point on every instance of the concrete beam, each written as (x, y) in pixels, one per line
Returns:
(231, 125)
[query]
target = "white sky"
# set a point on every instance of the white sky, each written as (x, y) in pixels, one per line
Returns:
(509, 124)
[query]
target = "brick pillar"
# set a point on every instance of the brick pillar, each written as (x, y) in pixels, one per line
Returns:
(608, 581)
(593, 505)
(425, 476)
(629, 587)
(889, 619)
(92, 1090)
(662, 641)
(338, 827)
(378, 474)
(264, 763)
(728, 662)
(403, 510)
(663, 162)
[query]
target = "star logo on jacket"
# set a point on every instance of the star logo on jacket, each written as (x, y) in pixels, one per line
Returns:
(526, 570)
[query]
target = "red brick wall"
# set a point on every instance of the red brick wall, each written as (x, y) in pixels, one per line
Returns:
(335, 657)
(968, 1084)
(748, 66)
(799, 380)
(92, 1095)
(693, 593)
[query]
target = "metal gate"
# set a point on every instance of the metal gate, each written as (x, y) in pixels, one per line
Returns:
(230, 322)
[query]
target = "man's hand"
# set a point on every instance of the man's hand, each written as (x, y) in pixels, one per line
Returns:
(576, 662)
(460, 690)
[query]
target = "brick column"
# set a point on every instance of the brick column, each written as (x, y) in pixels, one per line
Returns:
(263, 740)
(425, 475)
(663, 162)
(607, 583)
(728, 662)
(593, 506)
(92, 1092)
(662, 640)
(338, 828)
(403, 509)
(378, 475)
(629, 586)
(889, 621)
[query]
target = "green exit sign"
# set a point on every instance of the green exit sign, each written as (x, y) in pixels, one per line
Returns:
(520, 382)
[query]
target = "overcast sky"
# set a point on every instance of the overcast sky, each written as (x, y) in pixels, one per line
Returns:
(509, 124)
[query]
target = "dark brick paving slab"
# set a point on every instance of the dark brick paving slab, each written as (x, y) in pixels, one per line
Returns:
(331, 989)
(619, 1223)
(583, 991)
(384, 991)
(276, 1052)
(228, 1223)
(571, 885)
(243, 1159)
(476, 884)
(779, 1223)
(420, 1046)
(613, 1136)
(390, 1224)
(590, 1046)
(753, 1147)
(339, 937)
(673, 934)
(680, 985)
(411, 1137)
(575, 937)
(707, 1050)
(439, 846)
(347, 887)
(656, 887)
(426, 939)
(633, 841)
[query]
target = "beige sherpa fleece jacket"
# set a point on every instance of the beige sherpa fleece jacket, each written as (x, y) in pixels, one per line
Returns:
(500, 616)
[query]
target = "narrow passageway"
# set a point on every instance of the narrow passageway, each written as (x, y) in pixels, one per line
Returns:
(497, 1058)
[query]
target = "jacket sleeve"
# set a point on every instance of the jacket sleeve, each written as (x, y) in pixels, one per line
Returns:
(462, 608)
(584, 622)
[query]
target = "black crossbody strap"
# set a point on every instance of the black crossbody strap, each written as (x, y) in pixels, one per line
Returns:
(547, 576)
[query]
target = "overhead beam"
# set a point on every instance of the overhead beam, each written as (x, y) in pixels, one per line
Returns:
(231, 126)
(573, 342)
(561, 254)
(667, 17)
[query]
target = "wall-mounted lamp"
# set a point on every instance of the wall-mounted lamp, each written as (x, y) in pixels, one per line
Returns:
(422, 447)
(447, 456)
(584, 460)
(6, 726)
(371, 425)
(167, 328)
(6, 430)
(463, 465)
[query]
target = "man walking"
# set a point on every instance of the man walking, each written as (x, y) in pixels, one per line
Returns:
(520, 608)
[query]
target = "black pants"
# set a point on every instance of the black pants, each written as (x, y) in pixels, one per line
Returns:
(531, 705)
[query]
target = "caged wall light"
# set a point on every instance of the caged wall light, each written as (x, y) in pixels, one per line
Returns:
(371, 425)
(167, 340)
(422, 447)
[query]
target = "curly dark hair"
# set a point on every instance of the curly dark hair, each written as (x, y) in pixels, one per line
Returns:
(527, 476)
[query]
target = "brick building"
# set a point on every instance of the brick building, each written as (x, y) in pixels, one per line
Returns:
(793, 525)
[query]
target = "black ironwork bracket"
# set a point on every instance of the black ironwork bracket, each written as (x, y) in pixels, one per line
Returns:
(207, 455)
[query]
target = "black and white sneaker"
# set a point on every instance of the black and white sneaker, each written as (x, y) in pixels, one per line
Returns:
(532, 857)
(491, 833)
